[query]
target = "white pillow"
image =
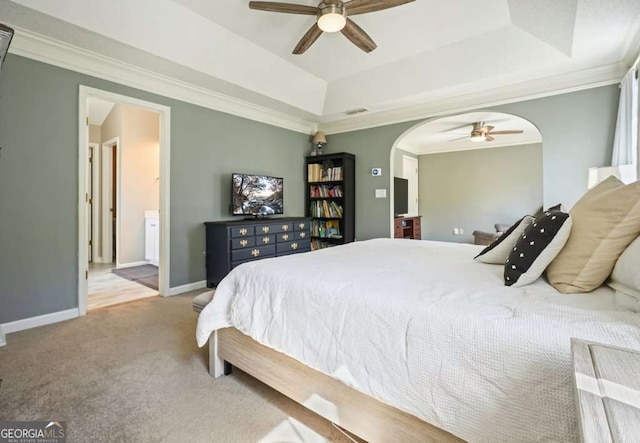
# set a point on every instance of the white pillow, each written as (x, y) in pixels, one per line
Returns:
(498, 251)
(626, 298)
(627, 269)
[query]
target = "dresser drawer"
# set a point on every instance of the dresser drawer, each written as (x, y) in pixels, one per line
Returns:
(239, 262)
(255, 252)
(242, 231)
(293, 246)
(239, 243)
(291, 236)
(303, 225)
(262, 240)
(286, 236)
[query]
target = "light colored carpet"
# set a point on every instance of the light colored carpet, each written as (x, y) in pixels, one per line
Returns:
(133, 373)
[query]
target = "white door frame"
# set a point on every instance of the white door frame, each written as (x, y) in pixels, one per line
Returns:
(413, 178)
(95, 207)
(84, 94)
(107, 186)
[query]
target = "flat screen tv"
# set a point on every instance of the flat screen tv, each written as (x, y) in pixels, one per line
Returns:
(400, 196)
(256, 195)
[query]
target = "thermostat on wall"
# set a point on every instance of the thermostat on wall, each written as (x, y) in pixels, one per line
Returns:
(376, 172)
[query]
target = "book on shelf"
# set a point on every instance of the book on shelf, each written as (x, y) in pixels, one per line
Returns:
(325, 229)
(326, 191)
(317, 173)
(325, 209)
(319, 244)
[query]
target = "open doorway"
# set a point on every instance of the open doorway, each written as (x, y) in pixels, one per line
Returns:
(125, 162)
(477, 172)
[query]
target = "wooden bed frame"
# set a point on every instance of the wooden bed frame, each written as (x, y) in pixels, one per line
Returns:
(360, 414)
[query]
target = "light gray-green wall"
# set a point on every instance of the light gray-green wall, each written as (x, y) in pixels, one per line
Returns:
(577, 133)
(398, 170)
(39, 175)
(474, 190)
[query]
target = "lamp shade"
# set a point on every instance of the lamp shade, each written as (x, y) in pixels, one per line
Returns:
(626, 174)
(319, 138)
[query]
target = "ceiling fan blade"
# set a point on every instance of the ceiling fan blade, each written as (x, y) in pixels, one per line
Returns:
(287, 8)
(467, 125)
(355, 7)
(486, 129)
(505, 132)
(460, 138)
(358, 37)
(308, 39)
(488, 138)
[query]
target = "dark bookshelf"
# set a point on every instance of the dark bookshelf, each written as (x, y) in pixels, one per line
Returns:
(330, 186)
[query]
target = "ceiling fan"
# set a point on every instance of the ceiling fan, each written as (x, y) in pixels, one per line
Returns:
(332, 16)
(483, 133)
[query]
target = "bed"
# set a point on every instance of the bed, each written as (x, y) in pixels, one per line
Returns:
(418, 329)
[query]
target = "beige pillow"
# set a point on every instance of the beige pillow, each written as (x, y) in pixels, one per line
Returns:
(605, 221)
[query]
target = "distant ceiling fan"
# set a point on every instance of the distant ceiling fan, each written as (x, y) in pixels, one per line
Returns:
(332, 17)
(482, 133)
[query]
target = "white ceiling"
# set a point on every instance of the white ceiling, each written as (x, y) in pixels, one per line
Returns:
(436, 136)
(98, 110)
(426, 50)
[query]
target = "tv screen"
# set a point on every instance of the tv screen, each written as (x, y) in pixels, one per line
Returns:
(256, 195)
(400, 196)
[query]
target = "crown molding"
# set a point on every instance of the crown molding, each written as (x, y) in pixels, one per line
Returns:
(545, 87)
(63, 55)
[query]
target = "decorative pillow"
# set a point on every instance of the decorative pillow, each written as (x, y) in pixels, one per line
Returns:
(626, 272)
(498, 251)
(558, 207)
(538, 245)
(626, 297)
(605, 221)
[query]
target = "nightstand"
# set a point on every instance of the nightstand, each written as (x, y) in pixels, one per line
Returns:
(607, 386)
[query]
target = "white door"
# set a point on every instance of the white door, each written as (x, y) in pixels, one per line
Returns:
(410, 172)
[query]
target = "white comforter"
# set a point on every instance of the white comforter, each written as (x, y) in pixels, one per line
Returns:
(420, 326)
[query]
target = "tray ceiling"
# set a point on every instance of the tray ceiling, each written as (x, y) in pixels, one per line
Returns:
(426, 50)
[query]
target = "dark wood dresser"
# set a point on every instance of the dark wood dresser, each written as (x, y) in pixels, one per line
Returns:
(231, 243)
(407, 227)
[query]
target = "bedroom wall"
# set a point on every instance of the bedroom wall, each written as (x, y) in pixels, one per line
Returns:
(577, 129)
(476, 189)
(39, 174)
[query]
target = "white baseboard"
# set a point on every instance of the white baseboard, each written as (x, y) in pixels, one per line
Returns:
(40, 320)
(131, 265)
(186, 288)
(3, 340)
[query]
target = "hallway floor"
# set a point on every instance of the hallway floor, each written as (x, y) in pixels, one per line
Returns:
(107, 289)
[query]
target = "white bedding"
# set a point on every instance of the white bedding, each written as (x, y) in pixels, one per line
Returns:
(420, 326)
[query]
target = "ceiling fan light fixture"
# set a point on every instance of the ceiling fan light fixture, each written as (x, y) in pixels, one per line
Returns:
(477, 136)
(333, 18)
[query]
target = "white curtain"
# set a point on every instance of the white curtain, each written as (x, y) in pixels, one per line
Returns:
(625, 144)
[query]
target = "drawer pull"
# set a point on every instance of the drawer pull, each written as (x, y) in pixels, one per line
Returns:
(285, 237)
(265, 240)
(265, 229)
(243, 231)
(303, 234)
(243, 243)
(285, 227)
(255, 252)
(301, 225)
(294, 246)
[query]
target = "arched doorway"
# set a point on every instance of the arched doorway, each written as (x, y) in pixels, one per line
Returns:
(475, 170)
